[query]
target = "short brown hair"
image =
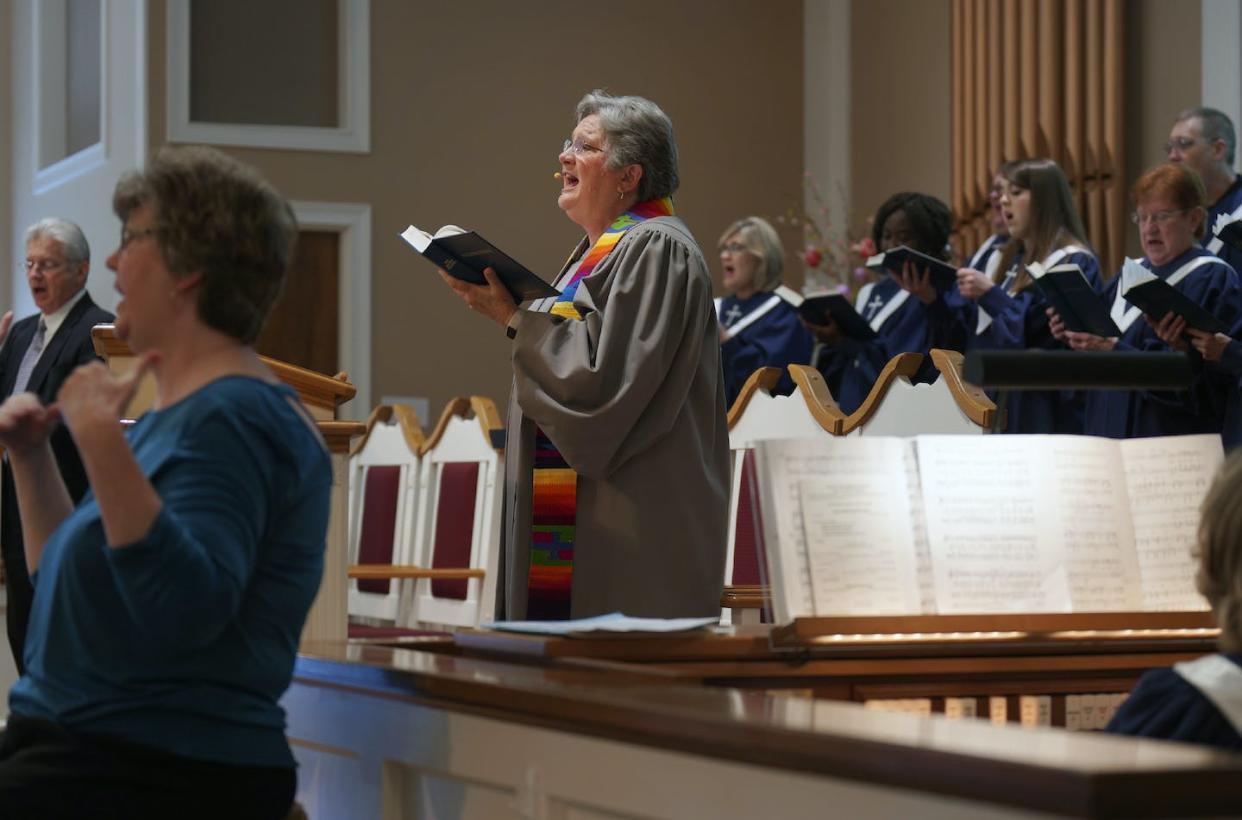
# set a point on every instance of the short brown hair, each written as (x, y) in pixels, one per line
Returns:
(216, 217)
(1219, 577)
(1177, 181)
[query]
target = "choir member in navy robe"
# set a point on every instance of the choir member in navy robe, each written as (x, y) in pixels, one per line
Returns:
(1169, 212)
(1005, 311)
(1200, 701)
(1204, 139)
(908, 314)
(993, 245)
(757, 327)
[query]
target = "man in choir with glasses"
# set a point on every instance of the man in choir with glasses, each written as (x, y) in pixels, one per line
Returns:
(1204, 139)
(39, 353)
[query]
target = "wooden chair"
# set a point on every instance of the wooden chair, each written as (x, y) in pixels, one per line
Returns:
(459, 517)
(948, 406)
(757, 415)
(384, 478)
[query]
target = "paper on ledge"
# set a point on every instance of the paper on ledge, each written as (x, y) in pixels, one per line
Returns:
(614, 623)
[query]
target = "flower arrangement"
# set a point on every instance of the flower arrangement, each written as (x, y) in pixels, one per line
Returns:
(833, 257)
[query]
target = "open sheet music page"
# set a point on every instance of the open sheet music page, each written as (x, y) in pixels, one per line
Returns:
(1167, 479)
(994, 544)
(918, 532)
(857, 526)
(780, 466)
(1085, 481)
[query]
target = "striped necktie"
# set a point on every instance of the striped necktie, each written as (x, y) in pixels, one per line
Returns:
(30, 359)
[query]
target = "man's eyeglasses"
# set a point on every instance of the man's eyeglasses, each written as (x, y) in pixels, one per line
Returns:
(1159, 217)
(128, 236)
(45, 266)
(1180, 143)
(578, 147)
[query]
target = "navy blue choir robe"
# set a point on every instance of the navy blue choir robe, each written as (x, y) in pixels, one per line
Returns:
(1001, 320)
(991, 246)
(903, 325)
(1231, 365)
(1201, 409)
(776, 339)
(1230, 202)
(1166, 705)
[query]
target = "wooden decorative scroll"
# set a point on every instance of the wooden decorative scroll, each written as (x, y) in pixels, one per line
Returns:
(1039, 79)
(484, 410)
(903, 364)
(971, 399)
(406, 418)
(814, 391)
(321, 394)
(765, 379)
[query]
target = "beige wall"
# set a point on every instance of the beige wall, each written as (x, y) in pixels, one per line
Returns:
(899, 101)
(1163, 66)
(469, 104)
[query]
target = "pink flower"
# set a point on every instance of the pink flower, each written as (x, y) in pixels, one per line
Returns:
(843, 289)
(813, 256)
(860, 274)
(864, 247)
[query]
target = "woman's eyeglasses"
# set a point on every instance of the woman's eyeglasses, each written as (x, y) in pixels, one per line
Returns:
(578, 147)
(1159, 217)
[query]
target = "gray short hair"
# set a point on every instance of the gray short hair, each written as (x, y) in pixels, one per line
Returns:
(761, 240)
(67, 234)
(637, 133)
(1216, 125)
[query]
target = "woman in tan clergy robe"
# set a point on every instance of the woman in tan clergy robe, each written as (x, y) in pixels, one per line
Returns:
(621, 374)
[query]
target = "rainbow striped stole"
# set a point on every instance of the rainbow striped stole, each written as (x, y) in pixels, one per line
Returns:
(608, 240)
(554, 487)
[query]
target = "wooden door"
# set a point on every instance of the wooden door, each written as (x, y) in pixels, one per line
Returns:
(302, 328)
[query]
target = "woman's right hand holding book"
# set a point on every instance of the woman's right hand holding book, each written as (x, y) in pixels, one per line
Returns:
(972, 283)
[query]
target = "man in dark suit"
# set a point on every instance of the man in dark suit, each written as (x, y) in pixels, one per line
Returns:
(38, 355)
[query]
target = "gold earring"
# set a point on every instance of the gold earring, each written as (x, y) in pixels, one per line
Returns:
(620, 194)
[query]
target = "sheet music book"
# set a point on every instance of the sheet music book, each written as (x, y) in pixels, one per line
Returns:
(943, 275)
(1156, 297)
(1039, 523)
(1075, 301)
(464, 254)
(822, 308)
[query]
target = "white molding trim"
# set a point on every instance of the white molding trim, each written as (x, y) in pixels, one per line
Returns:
(1221, 70)
(353, 221)
(826, 50)
(353, 81)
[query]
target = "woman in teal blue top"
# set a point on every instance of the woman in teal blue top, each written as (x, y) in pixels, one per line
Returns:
(169, 603)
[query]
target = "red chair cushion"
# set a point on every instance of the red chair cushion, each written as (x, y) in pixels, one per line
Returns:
(380, 491)
(459, 480)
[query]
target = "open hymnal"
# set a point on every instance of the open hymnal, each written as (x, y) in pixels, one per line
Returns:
(464, 254)
(1228, 228)
(1073, 298)
(982, 524)
(1156, 297)
(826, 308)
(943, 275)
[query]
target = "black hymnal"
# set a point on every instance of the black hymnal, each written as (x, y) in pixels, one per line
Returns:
(1228, 229)
(943, 275)
(1156, 297)
(1074, 300)
(824, 308)
(464, 255)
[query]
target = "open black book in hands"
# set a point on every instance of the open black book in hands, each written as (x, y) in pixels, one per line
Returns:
(943, 275)
(1228, 229)
(825, 308)
(1156, 297)
(1075, 301)
(464, 254)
